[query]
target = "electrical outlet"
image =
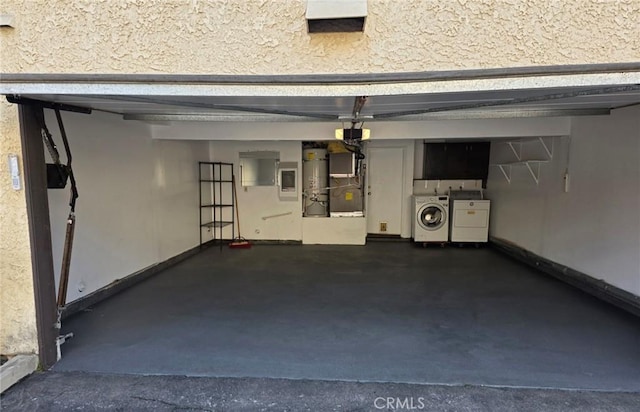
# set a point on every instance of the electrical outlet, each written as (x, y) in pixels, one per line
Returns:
(383, 226)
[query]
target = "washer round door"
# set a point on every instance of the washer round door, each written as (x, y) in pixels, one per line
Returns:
(432, 217)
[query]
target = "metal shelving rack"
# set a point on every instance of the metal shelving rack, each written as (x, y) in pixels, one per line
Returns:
(217, 210)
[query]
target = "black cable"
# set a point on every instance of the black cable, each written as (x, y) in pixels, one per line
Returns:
(358, 154)
(51, 145)
(72, 179)
(357, 151)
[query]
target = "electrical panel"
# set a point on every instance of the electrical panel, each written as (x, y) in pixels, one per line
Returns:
(288, 181)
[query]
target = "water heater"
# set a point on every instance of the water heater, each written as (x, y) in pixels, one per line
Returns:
(315, 182)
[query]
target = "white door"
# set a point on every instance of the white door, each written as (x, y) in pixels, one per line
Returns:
(385, 183)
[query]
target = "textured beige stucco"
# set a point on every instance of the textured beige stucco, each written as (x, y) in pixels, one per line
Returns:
(269, 36)
(17, 304)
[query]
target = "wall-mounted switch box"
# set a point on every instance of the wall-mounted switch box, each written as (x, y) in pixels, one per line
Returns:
(14, 169)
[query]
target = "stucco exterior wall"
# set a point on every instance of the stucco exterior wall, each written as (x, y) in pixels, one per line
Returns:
(270, 37)
(17, 303)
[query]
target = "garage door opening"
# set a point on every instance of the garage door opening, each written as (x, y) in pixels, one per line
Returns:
(384, 311)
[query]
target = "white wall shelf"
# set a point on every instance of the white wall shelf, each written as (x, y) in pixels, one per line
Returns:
(518, 153)
(532, 165)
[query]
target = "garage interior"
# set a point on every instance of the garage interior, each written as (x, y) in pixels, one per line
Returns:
(339, 298)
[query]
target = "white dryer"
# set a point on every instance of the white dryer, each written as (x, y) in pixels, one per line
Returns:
(430, 222)
(470, 221)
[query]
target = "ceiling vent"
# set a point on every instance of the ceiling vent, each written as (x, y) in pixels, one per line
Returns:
(336, 16)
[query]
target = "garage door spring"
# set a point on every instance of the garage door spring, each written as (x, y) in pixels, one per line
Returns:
(64, 171)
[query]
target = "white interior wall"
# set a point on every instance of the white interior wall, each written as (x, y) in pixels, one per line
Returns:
(257, 205)
(175, 195)
(137, 204)
(595, 226)
(228, 139)
(334, 231)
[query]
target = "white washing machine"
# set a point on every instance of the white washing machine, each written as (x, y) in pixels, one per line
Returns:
(430, 222)
(470, 221)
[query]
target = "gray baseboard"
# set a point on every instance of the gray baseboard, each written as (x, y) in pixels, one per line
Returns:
(374, 237)
(596, 287)
(276, 242)
(225, 242)
(119, 285)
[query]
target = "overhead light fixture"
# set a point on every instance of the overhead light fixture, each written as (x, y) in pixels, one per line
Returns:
(353, 134)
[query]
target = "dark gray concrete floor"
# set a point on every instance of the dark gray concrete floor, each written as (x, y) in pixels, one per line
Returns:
(71, 391)
(387, 312)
